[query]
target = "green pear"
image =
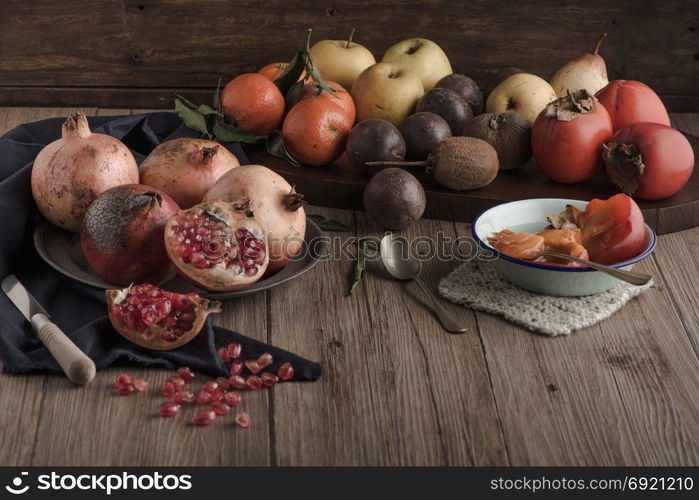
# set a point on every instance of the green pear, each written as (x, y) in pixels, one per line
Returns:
(522, 93)
(587, 71)
(423, 56)
(387, 91)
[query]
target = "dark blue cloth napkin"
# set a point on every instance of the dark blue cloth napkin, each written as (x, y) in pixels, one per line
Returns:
(78, 309)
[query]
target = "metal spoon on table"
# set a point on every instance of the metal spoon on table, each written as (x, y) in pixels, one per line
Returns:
(394, 254)
(635, 278)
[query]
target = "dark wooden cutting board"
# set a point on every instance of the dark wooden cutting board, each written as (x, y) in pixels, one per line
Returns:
(340, 186)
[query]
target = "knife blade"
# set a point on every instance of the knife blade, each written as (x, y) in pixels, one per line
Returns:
(21, 298)
(79, 368)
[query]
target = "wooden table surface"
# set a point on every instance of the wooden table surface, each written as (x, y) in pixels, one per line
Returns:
(396, 389)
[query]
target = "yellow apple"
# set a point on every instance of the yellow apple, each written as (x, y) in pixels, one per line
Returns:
(523, 93)
(387, 91)
(341, 61)
(424, 57)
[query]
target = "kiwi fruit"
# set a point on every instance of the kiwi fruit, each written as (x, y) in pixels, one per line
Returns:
(466, 88)
(374, 140)
(394, 198)
(461, 163)
(447, 104)
(509, 133)
(422, 132)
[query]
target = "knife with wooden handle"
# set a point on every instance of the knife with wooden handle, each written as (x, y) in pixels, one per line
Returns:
(79, 368)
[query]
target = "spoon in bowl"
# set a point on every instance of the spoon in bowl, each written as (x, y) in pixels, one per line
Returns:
(394, 254)
(635, 278)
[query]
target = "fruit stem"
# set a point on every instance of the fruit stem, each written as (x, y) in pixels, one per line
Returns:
(76, 125)
(398, 163)
(595, 51)
(349, 40)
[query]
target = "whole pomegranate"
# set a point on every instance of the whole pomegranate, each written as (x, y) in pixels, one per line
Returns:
(274, 204)
(186, 168)
(122, 235)
(71, 172)
(158, 319)
(217, 247)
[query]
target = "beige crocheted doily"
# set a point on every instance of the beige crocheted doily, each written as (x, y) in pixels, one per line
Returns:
(477, 285)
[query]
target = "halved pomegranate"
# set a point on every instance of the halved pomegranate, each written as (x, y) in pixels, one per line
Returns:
(157, 319)
(217, 247)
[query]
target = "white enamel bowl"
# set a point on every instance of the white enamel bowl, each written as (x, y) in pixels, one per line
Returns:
(530, 216)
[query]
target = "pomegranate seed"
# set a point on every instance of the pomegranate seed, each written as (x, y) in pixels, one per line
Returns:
(125, 389)
(223, 354)
(203, 398)
(140, 384)
(169, 409)
(186, 374)
(237, 382)
(183, 397)
(124, 378)
(269, 379)
(217, 395)
(223, 383)
(168, 389)
(286, 371)
(236, 368)
(232, 398)
(177, 382)
(205, 417)
(210, 386)
(220, 408)
(252, 365)
(234, 350)
(254, 382)
(265, 360)
(243, 420)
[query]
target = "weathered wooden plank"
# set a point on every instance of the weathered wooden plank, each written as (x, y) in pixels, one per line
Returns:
(598, 397)
(396, 389)
(96, 54)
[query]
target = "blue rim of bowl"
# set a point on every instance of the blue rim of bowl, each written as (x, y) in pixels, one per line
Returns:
(549, 267)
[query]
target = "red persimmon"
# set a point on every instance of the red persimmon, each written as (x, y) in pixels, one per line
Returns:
(567, 137)
(629, 102)
(649, 161)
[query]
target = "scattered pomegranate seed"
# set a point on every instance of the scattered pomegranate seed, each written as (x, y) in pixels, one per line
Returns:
(253, 382)
(234, 350)
(236, 368)
(223, 383)
(252, 365)
(183, 397)
(177, 382)
(217, 395)
(140, 384)
(203, 398)
(243, 420)
(220, 408)
(237, 382)
(186, 374)
(286, 371)
(124, 378)
(265, 360)
(269, 379)
(210, 386)
(168, 389)
(232, 398)
(125, 389)
(205, 417)
(169, 409)
(223, 354)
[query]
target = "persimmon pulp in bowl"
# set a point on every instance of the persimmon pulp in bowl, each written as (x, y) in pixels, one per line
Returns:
(613, 233)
